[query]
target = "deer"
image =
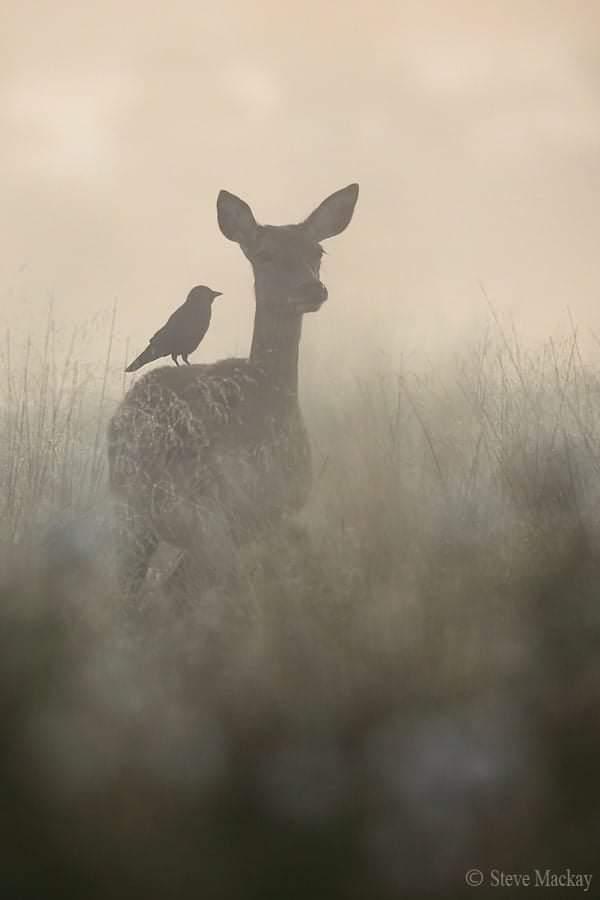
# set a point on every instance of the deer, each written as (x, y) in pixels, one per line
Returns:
(208, 457)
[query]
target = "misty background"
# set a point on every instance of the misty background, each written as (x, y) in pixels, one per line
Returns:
(413, 663)
(472, 127)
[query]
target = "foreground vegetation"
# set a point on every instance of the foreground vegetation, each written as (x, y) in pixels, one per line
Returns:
(401, 686)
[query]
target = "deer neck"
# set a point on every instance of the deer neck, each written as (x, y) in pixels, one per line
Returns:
(275, 346)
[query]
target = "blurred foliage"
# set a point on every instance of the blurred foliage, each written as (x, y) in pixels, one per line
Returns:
(400, 686)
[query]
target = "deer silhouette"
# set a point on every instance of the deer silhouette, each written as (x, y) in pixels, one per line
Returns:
(207, 454)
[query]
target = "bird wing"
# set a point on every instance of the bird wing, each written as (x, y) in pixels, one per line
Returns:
(183, 331)
(173, 325)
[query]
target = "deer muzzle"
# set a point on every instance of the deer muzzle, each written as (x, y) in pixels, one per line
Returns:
(310, 297)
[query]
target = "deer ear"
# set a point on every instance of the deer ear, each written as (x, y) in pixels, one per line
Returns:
(333, 215)
(235, 218)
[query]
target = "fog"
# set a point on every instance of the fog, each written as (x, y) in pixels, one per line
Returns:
(472, 127)
(410, 661)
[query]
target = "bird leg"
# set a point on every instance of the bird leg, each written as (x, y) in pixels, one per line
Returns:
(185, 359)
(174, 358)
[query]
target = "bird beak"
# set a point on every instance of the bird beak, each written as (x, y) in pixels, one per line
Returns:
(217, 293)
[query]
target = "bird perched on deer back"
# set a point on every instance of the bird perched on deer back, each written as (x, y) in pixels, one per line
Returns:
(183, 331)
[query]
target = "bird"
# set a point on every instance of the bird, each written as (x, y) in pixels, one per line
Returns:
(183, 330)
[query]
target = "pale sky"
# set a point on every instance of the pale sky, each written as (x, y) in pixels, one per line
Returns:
(472, 127)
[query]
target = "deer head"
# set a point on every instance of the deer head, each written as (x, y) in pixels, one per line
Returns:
(286, 259)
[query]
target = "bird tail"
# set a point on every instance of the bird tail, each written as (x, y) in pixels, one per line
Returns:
(149, 355)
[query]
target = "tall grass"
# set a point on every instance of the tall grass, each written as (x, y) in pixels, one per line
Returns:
(401, 686)
(53, 415)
